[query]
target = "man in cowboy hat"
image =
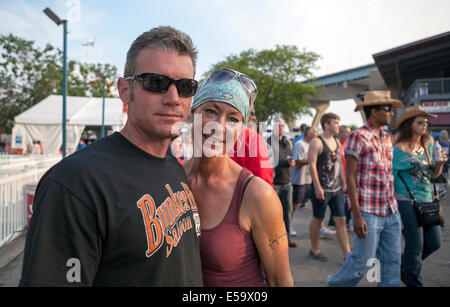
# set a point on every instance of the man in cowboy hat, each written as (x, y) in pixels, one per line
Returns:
(370, 186)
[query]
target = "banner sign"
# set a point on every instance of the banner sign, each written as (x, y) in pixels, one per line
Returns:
(436, 106)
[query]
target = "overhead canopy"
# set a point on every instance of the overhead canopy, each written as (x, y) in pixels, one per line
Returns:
(79, 111)
(427, 58)
(43, 121)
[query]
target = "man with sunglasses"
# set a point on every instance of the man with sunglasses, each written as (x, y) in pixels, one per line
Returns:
(120, 212)
(370, 182)
(328, 185)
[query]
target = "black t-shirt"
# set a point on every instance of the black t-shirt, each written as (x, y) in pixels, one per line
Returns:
(113, 215)
(282, 173)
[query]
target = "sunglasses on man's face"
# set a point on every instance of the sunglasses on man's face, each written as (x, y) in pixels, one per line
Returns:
(387, 109)
(157, 83)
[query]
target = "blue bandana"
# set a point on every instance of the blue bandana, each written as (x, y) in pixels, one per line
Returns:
(231, 92)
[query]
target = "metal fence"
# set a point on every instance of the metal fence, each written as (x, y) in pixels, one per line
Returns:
(15, 174)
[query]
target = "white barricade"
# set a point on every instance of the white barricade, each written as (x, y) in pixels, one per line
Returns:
(13, 194)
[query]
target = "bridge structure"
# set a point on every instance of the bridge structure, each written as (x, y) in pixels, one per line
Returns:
(416, 73)
(343, 85)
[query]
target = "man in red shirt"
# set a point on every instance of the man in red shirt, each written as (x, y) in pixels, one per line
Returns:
(250, 151)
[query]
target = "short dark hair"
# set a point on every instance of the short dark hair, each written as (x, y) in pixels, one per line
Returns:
(368, 111)
(307, 128)
(303, 127)
(327, 117)
(164, 37)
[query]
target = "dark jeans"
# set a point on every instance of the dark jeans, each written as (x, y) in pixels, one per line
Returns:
(420, 242)
(284, 192)
(348, 214)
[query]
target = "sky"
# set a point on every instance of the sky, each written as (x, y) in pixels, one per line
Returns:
(344, 33)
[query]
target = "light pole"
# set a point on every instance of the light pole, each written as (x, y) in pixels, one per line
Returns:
(88, 44)
(60, 21)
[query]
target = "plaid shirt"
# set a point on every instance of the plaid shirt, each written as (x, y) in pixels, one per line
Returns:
(374, 178)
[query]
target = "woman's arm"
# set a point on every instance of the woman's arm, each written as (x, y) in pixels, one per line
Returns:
(262, 215)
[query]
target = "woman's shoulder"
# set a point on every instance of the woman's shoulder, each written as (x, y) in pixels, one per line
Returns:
(259, 193)
(260, 205)
(401, 147)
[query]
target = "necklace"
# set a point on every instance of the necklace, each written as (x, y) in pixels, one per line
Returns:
(416, 149)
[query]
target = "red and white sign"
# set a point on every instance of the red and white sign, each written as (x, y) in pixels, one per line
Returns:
(30, 189)
(436, 106)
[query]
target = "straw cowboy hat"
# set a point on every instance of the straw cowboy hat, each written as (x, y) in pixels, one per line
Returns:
(411, 112)
(378, 98)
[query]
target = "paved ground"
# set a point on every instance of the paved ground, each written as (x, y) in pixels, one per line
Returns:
(308, 272)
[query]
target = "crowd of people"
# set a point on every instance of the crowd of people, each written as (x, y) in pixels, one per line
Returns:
(357, 175)
(125, 212)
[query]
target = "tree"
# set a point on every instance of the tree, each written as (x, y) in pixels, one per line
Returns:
(278, 73)
(28, 74)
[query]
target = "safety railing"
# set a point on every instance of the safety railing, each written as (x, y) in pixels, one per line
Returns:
(15, 175)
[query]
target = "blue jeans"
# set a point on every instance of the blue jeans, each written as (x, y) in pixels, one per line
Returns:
(420, 242)
(284, 192)
(383, 239)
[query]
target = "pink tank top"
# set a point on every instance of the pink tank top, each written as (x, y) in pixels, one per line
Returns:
(228, 253)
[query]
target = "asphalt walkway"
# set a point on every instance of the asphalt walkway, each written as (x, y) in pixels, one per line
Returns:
(306, 271)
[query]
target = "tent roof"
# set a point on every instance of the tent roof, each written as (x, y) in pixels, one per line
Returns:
(79, 111)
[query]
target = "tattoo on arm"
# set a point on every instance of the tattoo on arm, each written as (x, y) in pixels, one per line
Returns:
(274, 242)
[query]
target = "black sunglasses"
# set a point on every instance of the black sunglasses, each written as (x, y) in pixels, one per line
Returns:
(422, 122)
(333, 157)
(157, 83)
(385, 108)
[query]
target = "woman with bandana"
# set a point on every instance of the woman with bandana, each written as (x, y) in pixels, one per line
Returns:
(243, 239)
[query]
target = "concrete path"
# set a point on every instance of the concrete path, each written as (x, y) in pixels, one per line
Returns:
(307, 272)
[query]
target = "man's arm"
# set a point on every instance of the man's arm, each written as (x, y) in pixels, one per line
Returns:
(300, 156)
(342, 173)
(359, 224)
(314, 150)
(301, 163)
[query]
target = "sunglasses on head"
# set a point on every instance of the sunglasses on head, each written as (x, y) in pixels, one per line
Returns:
(225, 75)
(385, 108)
(157, 83)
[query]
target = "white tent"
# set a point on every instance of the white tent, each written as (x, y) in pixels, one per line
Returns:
(43, 121)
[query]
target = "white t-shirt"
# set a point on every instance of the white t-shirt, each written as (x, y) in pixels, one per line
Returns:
(300, 175)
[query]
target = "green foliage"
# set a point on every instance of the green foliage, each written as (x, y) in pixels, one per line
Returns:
(28, 74)
(353, 127)
(278, 73)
